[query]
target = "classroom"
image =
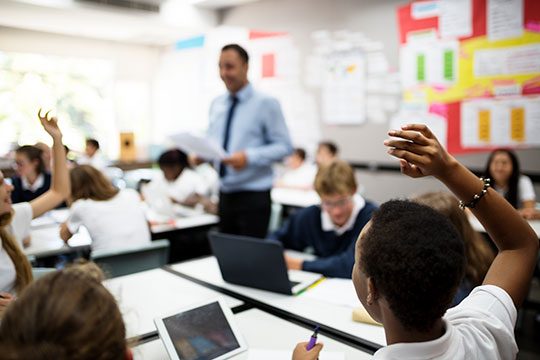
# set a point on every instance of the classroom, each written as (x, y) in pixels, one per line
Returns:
(269, 179)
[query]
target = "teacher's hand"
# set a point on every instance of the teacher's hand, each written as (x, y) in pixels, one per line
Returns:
(237, 160)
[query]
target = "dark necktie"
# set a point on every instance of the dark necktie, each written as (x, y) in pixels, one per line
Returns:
(234, 101)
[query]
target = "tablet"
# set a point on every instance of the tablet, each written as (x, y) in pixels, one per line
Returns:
(203, 331)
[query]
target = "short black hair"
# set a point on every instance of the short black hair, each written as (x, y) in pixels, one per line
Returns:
(416, 259)
(239, 50)
(331, 146)
(173, 158)
(92, 142)
(301, 153)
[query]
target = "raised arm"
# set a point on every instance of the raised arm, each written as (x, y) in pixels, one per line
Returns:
(60, 186)
(421, 154)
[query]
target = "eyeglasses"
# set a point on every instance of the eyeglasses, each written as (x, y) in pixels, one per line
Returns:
(337, 203)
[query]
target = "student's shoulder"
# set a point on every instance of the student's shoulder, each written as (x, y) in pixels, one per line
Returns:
(308, 213)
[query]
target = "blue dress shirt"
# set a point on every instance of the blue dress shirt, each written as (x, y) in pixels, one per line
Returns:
(258, 128)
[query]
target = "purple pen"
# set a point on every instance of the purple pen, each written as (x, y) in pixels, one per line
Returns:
(313, 339)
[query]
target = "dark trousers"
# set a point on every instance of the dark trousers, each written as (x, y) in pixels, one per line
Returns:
(245, 213)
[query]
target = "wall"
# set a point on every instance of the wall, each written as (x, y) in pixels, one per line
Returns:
(377, 20)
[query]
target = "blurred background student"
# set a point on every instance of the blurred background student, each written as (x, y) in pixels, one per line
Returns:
(92, 155)
(32, 179)
(299, 173)
(503, 170)
(114, 218)
(327, 151)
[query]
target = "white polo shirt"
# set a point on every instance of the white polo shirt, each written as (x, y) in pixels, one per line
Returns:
(480, 327)
(20, 229)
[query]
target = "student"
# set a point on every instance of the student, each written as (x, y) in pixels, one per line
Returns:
(503, 170)
(329, 230)
(46, 155)
(299, 174)
(32, 179)
(92, 155)
(410, 261)
(177, 181)
(477, 252)
(114, 218)
(327, 152)
(65, 315)
(15, 271)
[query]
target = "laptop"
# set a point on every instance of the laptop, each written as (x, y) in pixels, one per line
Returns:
(257, 263)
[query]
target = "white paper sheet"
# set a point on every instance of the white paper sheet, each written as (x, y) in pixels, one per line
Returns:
(504, 19)
(334, 291)
(262, 354)
(203, 147)
(514, 60)
(455, 19)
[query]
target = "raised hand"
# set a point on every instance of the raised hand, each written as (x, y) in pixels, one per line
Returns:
(50, 124)
(419, 151)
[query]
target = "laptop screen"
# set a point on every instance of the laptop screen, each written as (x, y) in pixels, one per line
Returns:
(202, 333)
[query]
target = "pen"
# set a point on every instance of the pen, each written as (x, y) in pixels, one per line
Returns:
(313, 339)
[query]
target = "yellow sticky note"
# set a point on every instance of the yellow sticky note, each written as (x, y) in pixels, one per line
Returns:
(484, 125)
(517, 124)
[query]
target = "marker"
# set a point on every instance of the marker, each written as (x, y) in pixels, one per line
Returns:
(313, 339)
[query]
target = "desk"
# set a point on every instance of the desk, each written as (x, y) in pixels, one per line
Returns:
(144, 296)
(535, 224)
(262, 331)
(295, 197)
(45, 241)
(335, 317)
(186, 223)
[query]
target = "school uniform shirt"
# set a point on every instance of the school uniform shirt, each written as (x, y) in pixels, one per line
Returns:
(303, 176)
(188, 183)
(117, 223)
(20, 229)
(312, 228)
(23, 191)
(97, 161)
(525, 190)
(480, 327)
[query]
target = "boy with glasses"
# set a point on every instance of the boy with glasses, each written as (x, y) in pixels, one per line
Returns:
(330, 230)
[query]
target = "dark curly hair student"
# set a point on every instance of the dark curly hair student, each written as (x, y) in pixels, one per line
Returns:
(418, 272)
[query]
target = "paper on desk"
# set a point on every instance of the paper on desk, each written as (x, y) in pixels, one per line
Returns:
(263, 354)
(203, 147)
(334, 291)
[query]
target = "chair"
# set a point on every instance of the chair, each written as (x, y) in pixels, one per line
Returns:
(128, 261)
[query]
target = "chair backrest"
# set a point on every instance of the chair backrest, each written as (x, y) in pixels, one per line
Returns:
(128, 261)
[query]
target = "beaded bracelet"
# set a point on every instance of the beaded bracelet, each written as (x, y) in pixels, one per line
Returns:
(471, 204)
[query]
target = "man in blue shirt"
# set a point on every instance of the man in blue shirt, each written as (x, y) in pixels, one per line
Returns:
(331, 229)
(251, 128)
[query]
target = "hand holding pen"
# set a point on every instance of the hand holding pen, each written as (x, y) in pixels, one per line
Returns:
(308, 350)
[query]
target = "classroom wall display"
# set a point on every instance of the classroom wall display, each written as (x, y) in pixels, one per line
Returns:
(476, 64)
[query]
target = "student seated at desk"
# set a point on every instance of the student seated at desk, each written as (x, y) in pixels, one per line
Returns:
(327, 152)
(15, 270)
(65, 315)
(329, 230)
(93, 156)
(410, 261)
(299, 173)
(503, 170)
(32, 179)
(477, 252)
(179, 182)
(114, 218)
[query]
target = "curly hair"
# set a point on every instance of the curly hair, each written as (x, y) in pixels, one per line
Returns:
(416, 259)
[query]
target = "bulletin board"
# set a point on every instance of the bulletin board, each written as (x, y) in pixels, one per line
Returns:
(476, 65)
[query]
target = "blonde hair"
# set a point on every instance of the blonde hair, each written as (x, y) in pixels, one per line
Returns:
(23, 270)
(335, 178)
(67, 314)
(479, 255)
(89, 183)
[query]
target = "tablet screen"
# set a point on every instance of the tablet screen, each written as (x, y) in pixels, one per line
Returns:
(201, 334)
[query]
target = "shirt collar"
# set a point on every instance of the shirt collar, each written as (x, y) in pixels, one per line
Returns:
(328, 225)
(40, 180)
(244, 93)
(419, 350)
